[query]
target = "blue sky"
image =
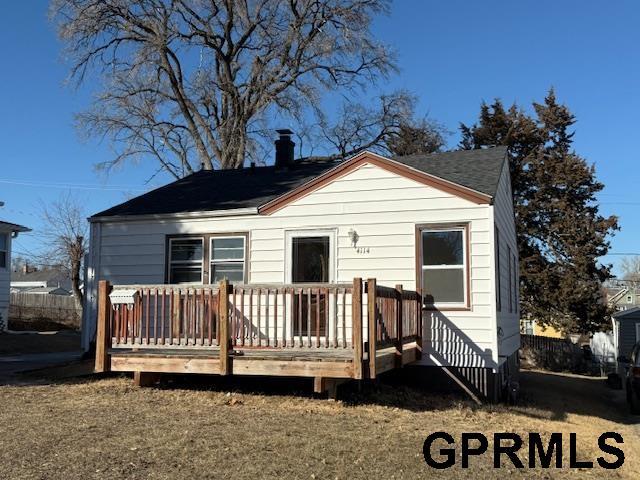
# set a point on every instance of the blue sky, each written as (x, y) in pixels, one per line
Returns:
(452, 54)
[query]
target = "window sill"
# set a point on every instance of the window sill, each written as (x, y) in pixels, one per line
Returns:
(435, 308)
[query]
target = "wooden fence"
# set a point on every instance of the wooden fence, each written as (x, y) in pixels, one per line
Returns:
(27, 308)
(549, 352)
(546, 344)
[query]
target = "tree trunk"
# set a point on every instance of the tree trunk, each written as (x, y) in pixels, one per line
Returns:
(76, 263)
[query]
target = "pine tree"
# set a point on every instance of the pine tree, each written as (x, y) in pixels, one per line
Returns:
(561, 233)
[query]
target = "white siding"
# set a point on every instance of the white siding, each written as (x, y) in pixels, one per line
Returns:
(382, 207)
(508, 320)
(5, 280)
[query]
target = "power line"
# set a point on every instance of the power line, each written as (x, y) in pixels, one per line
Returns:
(73, 186)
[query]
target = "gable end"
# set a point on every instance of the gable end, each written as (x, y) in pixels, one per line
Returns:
(381, 162)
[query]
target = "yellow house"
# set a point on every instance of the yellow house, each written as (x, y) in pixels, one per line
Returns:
(532, 327)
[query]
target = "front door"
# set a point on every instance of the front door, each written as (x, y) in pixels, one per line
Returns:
(310, 264)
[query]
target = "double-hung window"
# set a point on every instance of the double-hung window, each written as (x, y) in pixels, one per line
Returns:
(4, 250)
(444, 266)
(206, 258)
(185, 260)
(227, 259)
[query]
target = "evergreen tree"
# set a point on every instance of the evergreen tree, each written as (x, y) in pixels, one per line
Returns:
(561, 233)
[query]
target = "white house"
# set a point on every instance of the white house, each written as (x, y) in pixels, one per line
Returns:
(440, 223)
(8, 231)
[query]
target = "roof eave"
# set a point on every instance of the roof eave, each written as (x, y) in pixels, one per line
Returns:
(14, 227)
(444, 180)
(624, 313)
(232, 212)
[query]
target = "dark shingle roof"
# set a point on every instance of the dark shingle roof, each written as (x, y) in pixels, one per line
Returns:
(209, 190)
(14, 227)
(53, 277)
(478, 170)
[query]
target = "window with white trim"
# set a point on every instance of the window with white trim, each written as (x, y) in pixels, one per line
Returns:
(227, 259)
(185, 259)
(4, 250)
(444, 266)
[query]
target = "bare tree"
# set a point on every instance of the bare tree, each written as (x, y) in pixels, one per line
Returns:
(359, 128)
(383, 128)
(417, 137)
(195, 78)
(631, 269)
(64, 235)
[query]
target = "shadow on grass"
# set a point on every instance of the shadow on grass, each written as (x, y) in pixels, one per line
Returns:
(23, 343)
(544, 395)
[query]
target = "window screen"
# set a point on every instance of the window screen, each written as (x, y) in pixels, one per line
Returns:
(227, 259)
(185, 260)
(444, 266)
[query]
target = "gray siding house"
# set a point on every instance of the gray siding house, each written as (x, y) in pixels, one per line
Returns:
(626, 330)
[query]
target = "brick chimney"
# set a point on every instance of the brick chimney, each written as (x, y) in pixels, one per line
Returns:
(284, 149)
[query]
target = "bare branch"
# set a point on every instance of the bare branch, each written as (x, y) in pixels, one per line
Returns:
(64, 236)
(190, 78)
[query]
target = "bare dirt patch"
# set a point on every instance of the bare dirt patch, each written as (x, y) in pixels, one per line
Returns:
(219, 428)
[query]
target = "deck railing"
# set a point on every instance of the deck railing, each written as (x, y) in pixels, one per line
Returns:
(291, 316)
(317, 317)
(166, 316)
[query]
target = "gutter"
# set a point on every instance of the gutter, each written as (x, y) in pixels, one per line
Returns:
(174, 216)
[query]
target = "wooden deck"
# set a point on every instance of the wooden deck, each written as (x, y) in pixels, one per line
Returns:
(275, 330)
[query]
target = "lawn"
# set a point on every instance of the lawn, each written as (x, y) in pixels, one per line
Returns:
(205, 428)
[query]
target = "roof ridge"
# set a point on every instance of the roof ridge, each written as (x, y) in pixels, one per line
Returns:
(247, 188)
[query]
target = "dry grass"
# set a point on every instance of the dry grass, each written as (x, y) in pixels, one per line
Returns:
(43, 342)
(212, 428)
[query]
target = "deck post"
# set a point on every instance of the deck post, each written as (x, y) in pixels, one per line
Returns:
(103, 330)
(145, 379)
(223, 325)
(419, 325)
(356, 325)
(372, 324)
(399, 331)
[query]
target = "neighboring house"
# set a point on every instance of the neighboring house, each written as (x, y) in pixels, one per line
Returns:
(621, 295)
(8, 231)
(41, 291)
(532, 327)
(49, 281)
(626, 330)
(441, 223)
